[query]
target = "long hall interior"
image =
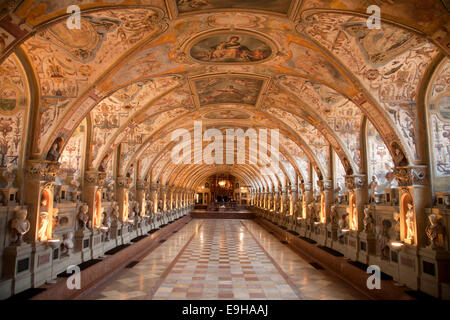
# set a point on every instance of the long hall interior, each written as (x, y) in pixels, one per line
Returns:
(224, 149)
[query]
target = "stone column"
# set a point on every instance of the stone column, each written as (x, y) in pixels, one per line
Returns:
(40, 177)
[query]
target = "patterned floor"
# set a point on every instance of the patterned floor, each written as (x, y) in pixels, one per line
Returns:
(223, 259)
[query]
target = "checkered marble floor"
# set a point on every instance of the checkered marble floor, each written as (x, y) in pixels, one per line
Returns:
(223, 259)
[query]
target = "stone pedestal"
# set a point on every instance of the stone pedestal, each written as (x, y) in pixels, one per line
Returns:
(41, 264)
(126, 236)
(17, 265)
(434, 266)
(5, 288)
(367, 247)
(96, 244)
(408, 266)
(352, 249)
(116, 233)
(320, 233)
(332, 236)
(83, 244)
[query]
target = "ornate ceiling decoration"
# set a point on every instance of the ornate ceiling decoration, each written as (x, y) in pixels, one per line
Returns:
(138, 70)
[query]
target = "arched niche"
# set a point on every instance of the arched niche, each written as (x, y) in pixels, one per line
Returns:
(352, 211)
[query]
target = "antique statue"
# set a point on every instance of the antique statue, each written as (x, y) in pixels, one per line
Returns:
(44, 220)
(339, 189)
(368, 221)
(43, 225)
(383, 239)
(410, 222)
(131, 216)
(435, 232)
(333, 215)
(55, 150)
(312, 212)
(374, 184)
(343, 224)
(354, 218)
(83, 216)
(19, 226)
(67, 244)
(115, 213)
(110, 191)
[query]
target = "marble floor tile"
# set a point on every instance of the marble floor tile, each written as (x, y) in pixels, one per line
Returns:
(223, 259)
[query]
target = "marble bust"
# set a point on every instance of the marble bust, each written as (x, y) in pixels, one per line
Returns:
(19, 226)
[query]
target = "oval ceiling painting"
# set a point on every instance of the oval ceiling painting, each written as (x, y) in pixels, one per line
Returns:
(230, 48)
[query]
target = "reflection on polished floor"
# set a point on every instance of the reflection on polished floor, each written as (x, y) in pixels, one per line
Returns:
(223, 259)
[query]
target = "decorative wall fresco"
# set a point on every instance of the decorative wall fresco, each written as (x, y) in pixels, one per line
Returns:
(230, 48)
(341, 114)
(339, 173)
(14, 101)
(391, 75)
(68, 61)
(216, 90)
(113, 112)
(281, 6)
(378, 157)
(439, 114)
(72, 156)
(312, 137)
(37, 11)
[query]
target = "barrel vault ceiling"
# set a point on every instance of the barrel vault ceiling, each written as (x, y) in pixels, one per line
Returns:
(137, 70)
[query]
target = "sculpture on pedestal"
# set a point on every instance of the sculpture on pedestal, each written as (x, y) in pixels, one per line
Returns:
(409, 217)
(131, 216)
(333, 216)
(368, 221)
(83, 216)
(435, 232)
(115, 214)
(44, 220)
(343, 224)
(383, 239)
(19, 226)
(312, 212)
(106, 223)
(67, 244)
(373, 184)
(110, 191)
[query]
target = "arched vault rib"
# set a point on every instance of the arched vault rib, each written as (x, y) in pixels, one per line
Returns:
(168, 163)
(181, 123)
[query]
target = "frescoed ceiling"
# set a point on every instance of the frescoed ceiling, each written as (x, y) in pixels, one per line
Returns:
(138, 70)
